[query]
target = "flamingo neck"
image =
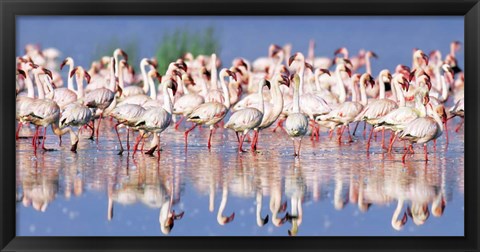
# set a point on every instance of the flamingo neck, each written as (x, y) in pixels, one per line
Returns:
(182, 84)
(444, 88)
(340, 86)
(397, 211)
(203, 86)
(311, 51)
(38, 83)
(260, 93)
(259, 208)
(223, 203)
(79, 80)
(382, 88)
(296, 99)
(70, 78)
(112, 77)
(399, 94)
(153, 92)
(167, 103)
(213, 81)
(117, 63)
(146, 83)
(301, 73)
(368, 65)
(354, 91)
(226, 94)
(120, 77)
(277, 97)
(29, 84)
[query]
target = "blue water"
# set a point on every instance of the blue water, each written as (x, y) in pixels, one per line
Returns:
(61, 193)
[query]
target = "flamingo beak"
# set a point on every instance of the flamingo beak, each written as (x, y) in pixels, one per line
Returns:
(309, 66)
(338, 51)
(124, 54)
(371, 80)
(178, 216)
(265, 220)
(412, 75)
(88, 77)
(276, 50)
(119, 89)
(131, 70)
(158, 76)
(425, 58)
(404, 219)
(152, 63)
(325, 71)
(230, 73)
(230, 218)
(285, 81)
(429, 84)
(267, 83)
(426, 100)
(21, 72)
(374, 55)
(291, 59)
(47, 72)
(73, 72)
(174, 86)
(64, 62)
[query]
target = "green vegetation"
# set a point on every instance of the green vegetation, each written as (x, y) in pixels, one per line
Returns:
(175, 44)
(130, 47)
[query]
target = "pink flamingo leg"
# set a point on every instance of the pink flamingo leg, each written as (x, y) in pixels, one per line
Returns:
(34, 140)
(369, 139)
(137, 141)
(392, 140)
(187, 132)
(405, 154)
(43, 140)
(341, 133)
(128, 142)
(177, 124)
(253, 146)
(119, 140)
(98, 126)
(143, 143)
(459, 125)
(425, 150)
(349, 135)
(446, 132)
(279, 125)
(20, 124)
(383, 138)
(210, 139)
(242, 137)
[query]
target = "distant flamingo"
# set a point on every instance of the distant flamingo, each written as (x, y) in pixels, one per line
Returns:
(296, 124)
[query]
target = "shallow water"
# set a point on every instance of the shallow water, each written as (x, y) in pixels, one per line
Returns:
(331, 189)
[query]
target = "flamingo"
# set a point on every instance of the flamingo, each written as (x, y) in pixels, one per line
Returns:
(156, 119)
(247, 119)
(346, 112)
(128, 115)
(210, 113)
(189, 101)
(272, 114)
(424, 129)
(297, 123)
(377, 108)
(102, 99)
(458, 110)
(76, 114)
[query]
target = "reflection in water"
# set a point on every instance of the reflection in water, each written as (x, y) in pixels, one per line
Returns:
(280, 187)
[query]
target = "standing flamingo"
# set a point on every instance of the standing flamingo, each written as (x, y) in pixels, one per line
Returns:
(210, 113)
(297, 123)
(247, 119)
(424, 129)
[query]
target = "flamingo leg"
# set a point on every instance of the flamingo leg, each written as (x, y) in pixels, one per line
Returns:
(128, 142)
(330, 134)
(210, 138)
(405, 154)
(434, 144)
(349, 135)
(98, 126)
(279, 125)
(459, 125)
(150, 152)
(43, 140)
(238, 138)
(446, 132)
(60, 140)
(392, 140)
(35, 136)
(299, 146)
(240, 144)
(93, 130)
(364, 128)
(369, 139)
(425, 150)
(143, 143)
(177, 124)
(159, 148)
(383, 138)
(356, 126)
(341, 133)
(253, 146)
(20, 124)
(187, 132)
(119, 140)
(137, 141)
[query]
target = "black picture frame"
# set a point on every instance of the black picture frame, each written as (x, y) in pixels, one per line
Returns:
(470, 9)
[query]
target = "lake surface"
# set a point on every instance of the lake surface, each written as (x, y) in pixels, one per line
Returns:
(334, 189)
(331, 190)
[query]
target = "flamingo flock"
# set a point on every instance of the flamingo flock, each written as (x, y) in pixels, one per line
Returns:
(297, 94)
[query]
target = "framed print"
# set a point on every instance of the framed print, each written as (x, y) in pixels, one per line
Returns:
(188, 125)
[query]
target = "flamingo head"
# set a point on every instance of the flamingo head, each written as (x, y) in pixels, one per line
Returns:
(119, 51)
(420, 54)
(438, 207)
(231, 74)
(449, 73)
(68, 60)
(366, 79)
(284, 80)
(298, 56)
(273, 50)
(188, 56)
(181, 65)
(385, 75)
(265, 82)
(399, 224)
(440, 110)
(172, 84)
(419, 214)
(341, 50)
(343, 67)
(47, 72)
(21, 73)
(309, 66)
(371, 54)
(401, 68)
(87, 76)
(284, 70)
(240, 62)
